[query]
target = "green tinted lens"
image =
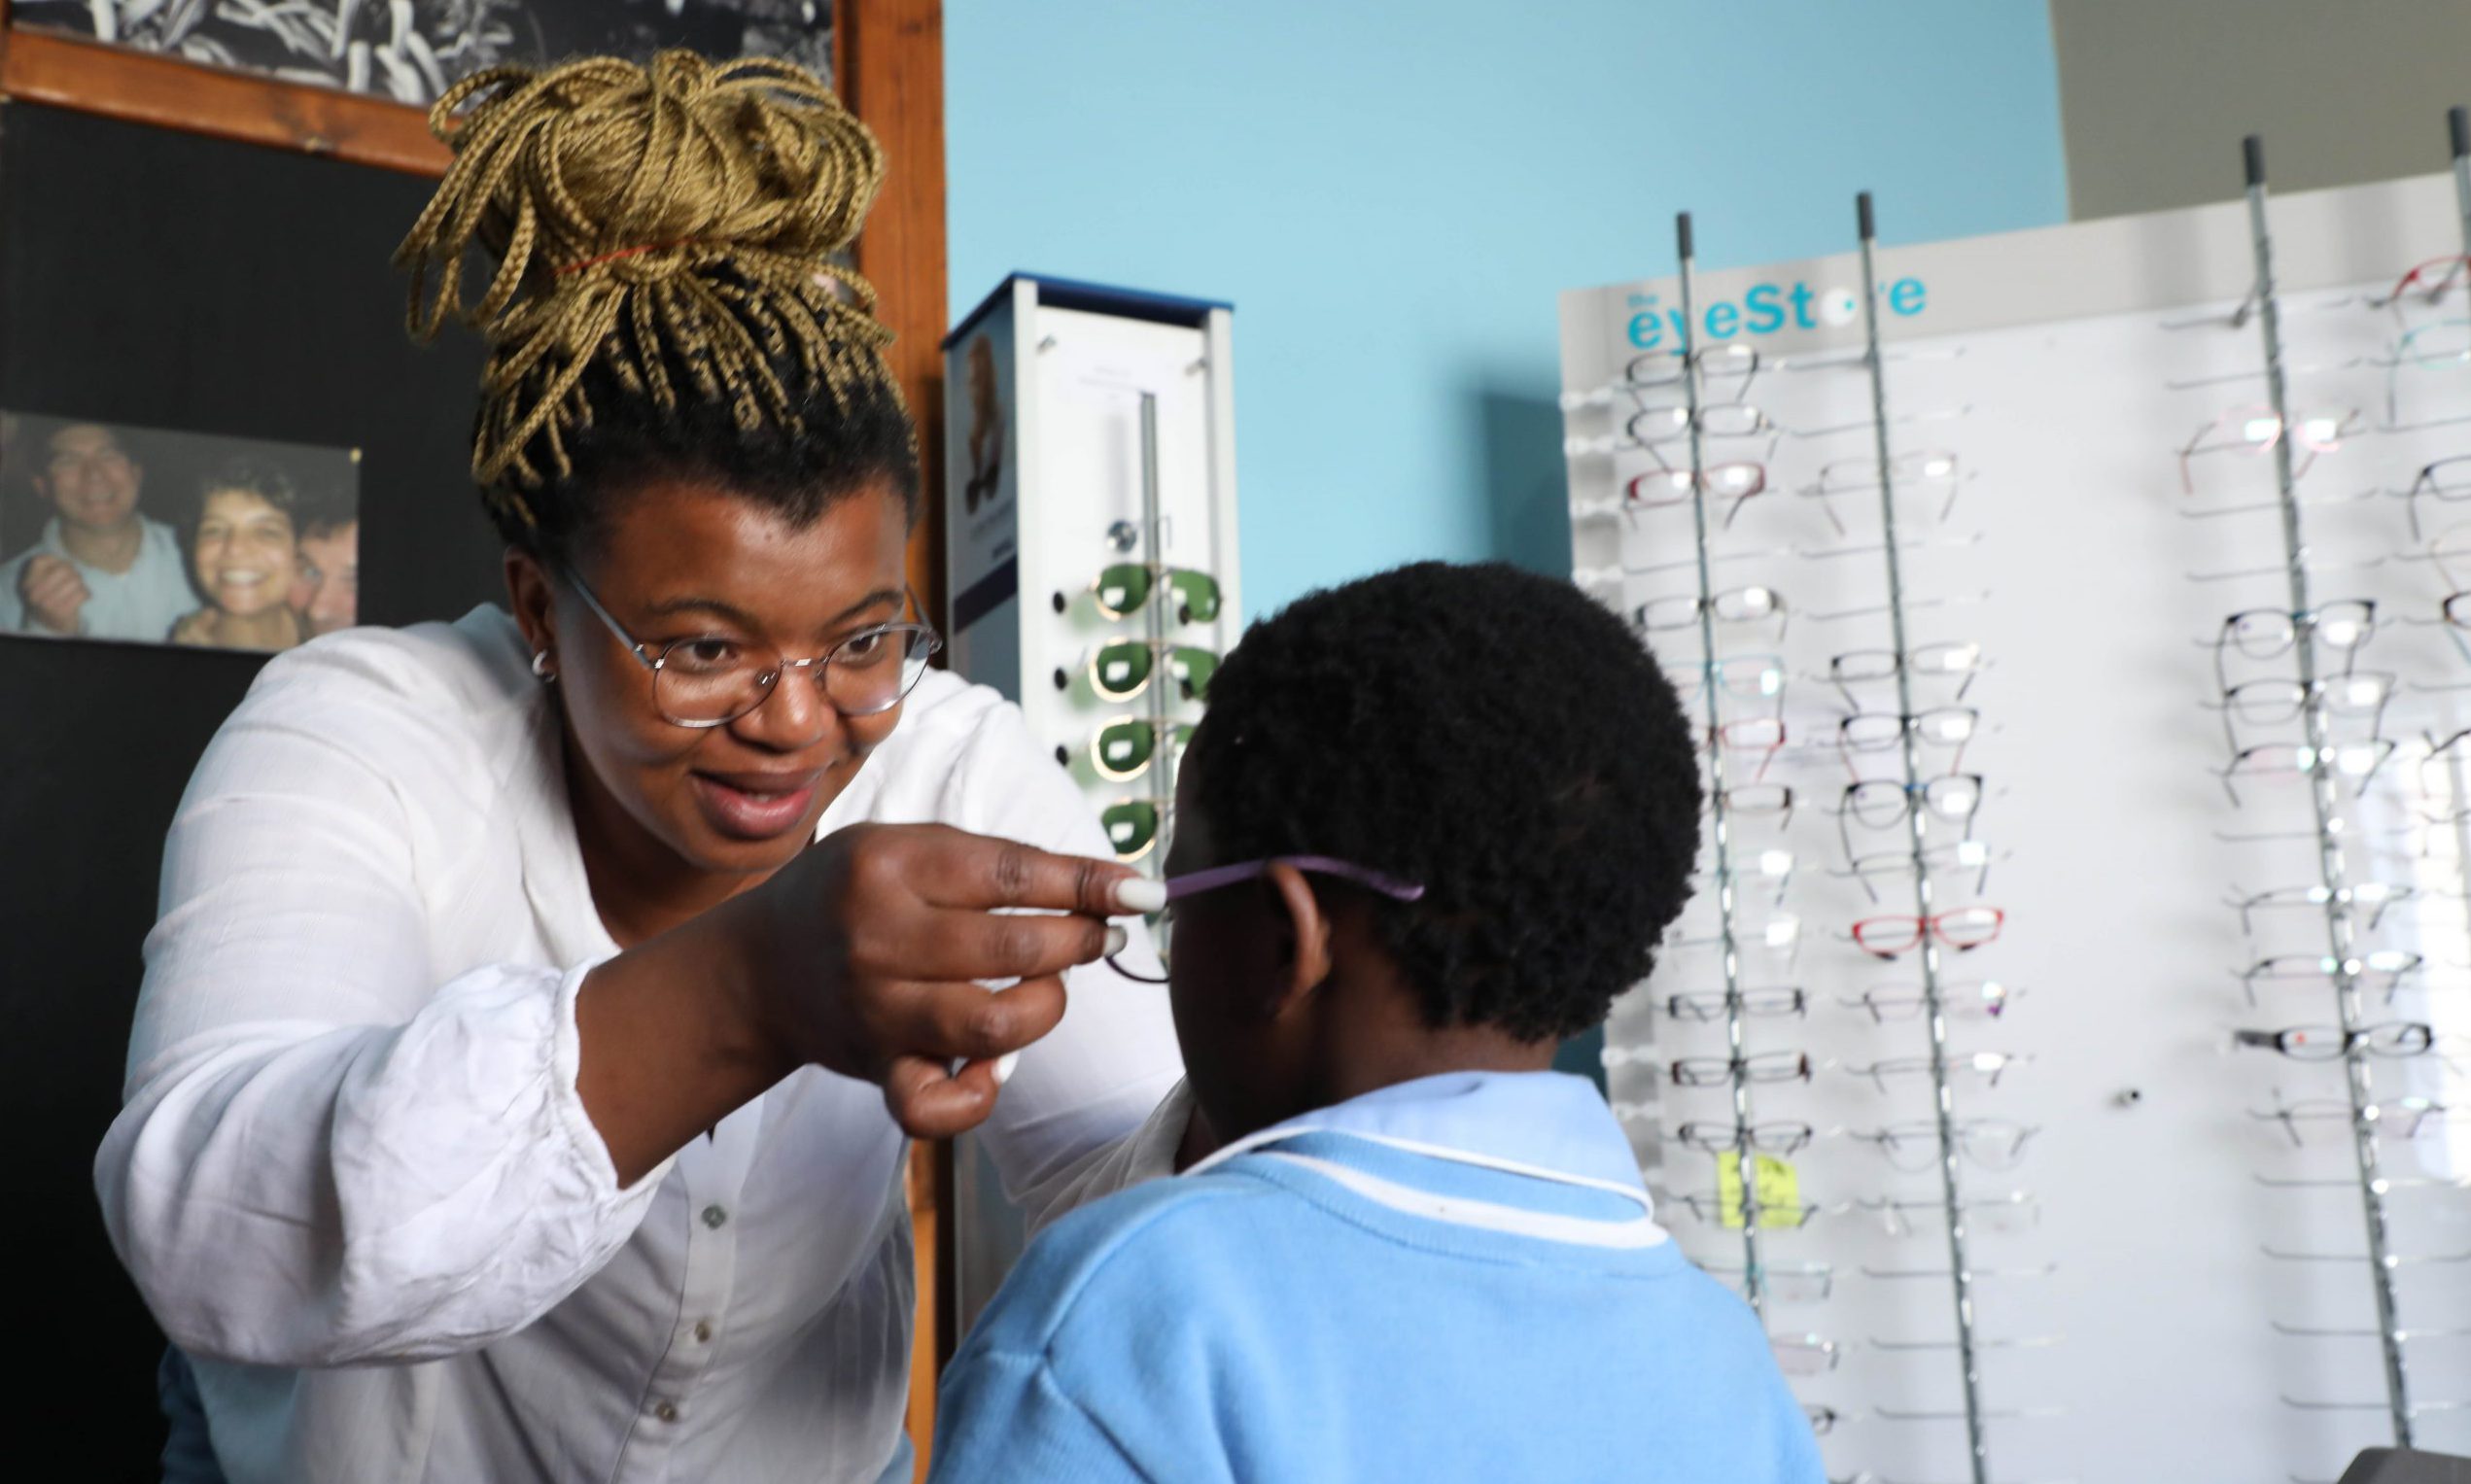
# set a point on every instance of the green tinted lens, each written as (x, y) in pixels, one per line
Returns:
(1194, 668)
(1122, 749)
(1122, 589)
(1119, 670)
(1196, 596)
(1131, 826)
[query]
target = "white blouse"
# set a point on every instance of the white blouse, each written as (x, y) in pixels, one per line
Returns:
(353, 1177)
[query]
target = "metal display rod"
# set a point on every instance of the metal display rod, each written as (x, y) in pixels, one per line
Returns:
(1162, 748)
(1935, 1010)
(1754, 1270)
(2458, 134)
(2339, 930)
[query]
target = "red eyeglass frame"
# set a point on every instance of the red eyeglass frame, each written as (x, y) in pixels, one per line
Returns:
(1873, 934)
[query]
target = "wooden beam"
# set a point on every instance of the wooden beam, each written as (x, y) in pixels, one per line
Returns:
(143, 88)
(891, 65)
(893, 77)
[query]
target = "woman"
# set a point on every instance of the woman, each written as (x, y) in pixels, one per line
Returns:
(516, 1093)
(246, 555)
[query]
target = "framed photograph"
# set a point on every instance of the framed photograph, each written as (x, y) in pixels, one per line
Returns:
(150, 536)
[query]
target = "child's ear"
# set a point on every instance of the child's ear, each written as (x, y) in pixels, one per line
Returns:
(1304, 946)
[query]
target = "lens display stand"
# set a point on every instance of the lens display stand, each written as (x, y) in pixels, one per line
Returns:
(1089, 438)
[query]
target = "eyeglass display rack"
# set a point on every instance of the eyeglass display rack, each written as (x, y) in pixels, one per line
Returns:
(1934, 1009)
(2336, 827)
(1090, 519)
(1719, 833)
(1843, 406)
(2184, 1193)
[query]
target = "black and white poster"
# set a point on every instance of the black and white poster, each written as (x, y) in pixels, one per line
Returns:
(411, 51)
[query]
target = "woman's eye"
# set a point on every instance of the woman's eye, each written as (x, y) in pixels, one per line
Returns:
(705, 653)
(858, 648)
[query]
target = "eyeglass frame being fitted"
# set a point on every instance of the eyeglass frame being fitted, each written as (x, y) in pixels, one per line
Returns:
(1215, 877)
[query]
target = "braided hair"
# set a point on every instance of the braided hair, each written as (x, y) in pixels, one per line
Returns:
(666, 299)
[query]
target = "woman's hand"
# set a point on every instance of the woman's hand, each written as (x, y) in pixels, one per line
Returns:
(861, 956)
(872, 940)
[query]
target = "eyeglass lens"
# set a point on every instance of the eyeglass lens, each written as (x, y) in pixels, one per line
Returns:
(708, 681)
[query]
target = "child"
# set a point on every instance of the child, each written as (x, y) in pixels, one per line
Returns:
(1434, 821)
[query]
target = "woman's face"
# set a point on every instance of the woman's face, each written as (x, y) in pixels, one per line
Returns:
(686, 560)
(246, 555)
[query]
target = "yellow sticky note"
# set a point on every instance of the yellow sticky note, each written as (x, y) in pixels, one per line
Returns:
(1780, 1198)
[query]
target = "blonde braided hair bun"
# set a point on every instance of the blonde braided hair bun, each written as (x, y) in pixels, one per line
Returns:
(667, 229)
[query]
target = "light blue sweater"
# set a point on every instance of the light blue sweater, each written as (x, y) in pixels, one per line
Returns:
(1332, 1306)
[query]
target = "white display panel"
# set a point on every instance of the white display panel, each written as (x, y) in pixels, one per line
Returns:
(2067, 554)
(1044, 456)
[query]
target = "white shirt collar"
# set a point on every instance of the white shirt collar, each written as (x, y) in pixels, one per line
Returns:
(1540, 1119)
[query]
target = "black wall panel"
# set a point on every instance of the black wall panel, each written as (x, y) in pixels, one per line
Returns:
(172, 280)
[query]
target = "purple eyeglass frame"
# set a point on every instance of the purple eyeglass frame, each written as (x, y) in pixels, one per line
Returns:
(1195, 882)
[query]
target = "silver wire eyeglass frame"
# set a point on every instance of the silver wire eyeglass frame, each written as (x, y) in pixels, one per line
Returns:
(768, 679)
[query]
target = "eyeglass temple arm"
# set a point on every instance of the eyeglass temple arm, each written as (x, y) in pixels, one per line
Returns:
(1194, 883)
(633, 645)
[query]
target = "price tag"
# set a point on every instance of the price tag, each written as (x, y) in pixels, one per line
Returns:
(1780, 1199)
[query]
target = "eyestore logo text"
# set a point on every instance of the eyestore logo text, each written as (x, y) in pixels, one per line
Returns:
(1765, 309)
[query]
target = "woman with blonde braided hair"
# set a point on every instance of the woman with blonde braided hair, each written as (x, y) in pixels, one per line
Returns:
(541, 1001)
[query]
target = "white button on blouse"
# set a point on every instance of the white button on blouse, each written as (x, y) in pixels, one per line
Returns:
(353, 1177)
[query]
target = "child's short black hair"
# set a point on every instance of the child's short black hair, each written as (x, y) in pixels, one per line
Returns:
(1492, 734)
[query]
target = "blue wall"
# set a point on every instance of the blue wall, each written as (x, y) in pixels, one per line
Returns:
(1392, 196)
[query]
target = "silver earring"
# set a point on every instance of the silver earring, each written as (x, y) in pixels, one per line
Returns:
(541, 670)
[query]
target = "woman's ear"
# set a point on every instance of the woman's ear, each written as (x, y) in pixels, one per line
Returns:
(1304, 956)
(531, 595)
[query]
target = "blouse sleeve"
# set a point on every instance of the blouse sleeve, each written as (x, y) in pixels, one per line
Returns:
(1088, 1086)
(326, 1156)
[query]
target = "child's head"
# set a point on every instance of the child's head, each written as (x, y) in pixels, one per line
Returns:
(1492, 735)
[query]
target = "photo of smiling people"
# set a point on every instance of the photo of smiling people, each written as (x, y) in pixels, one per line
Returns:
(111, 531)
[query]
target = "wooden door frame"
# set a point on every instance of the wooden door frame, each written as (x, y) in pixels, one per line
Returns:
(888, 60)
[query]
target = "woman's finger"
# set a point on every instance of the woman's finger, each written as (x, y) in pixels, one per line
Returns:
(930, 1102)
(951, 1022)
(953, 867)
(949, 944)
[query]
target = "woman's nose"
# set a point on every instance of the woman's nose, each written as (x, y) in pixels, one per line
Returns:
(794, 715)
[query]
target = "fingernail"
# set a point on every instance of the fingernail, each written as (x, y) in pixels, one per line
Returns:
(1138, 893)
(1118, 938)
(1005, 1065)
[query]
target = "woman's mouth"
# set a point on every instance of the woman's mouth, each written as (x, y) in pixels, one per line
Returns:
(753, 806)
(242, 586)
